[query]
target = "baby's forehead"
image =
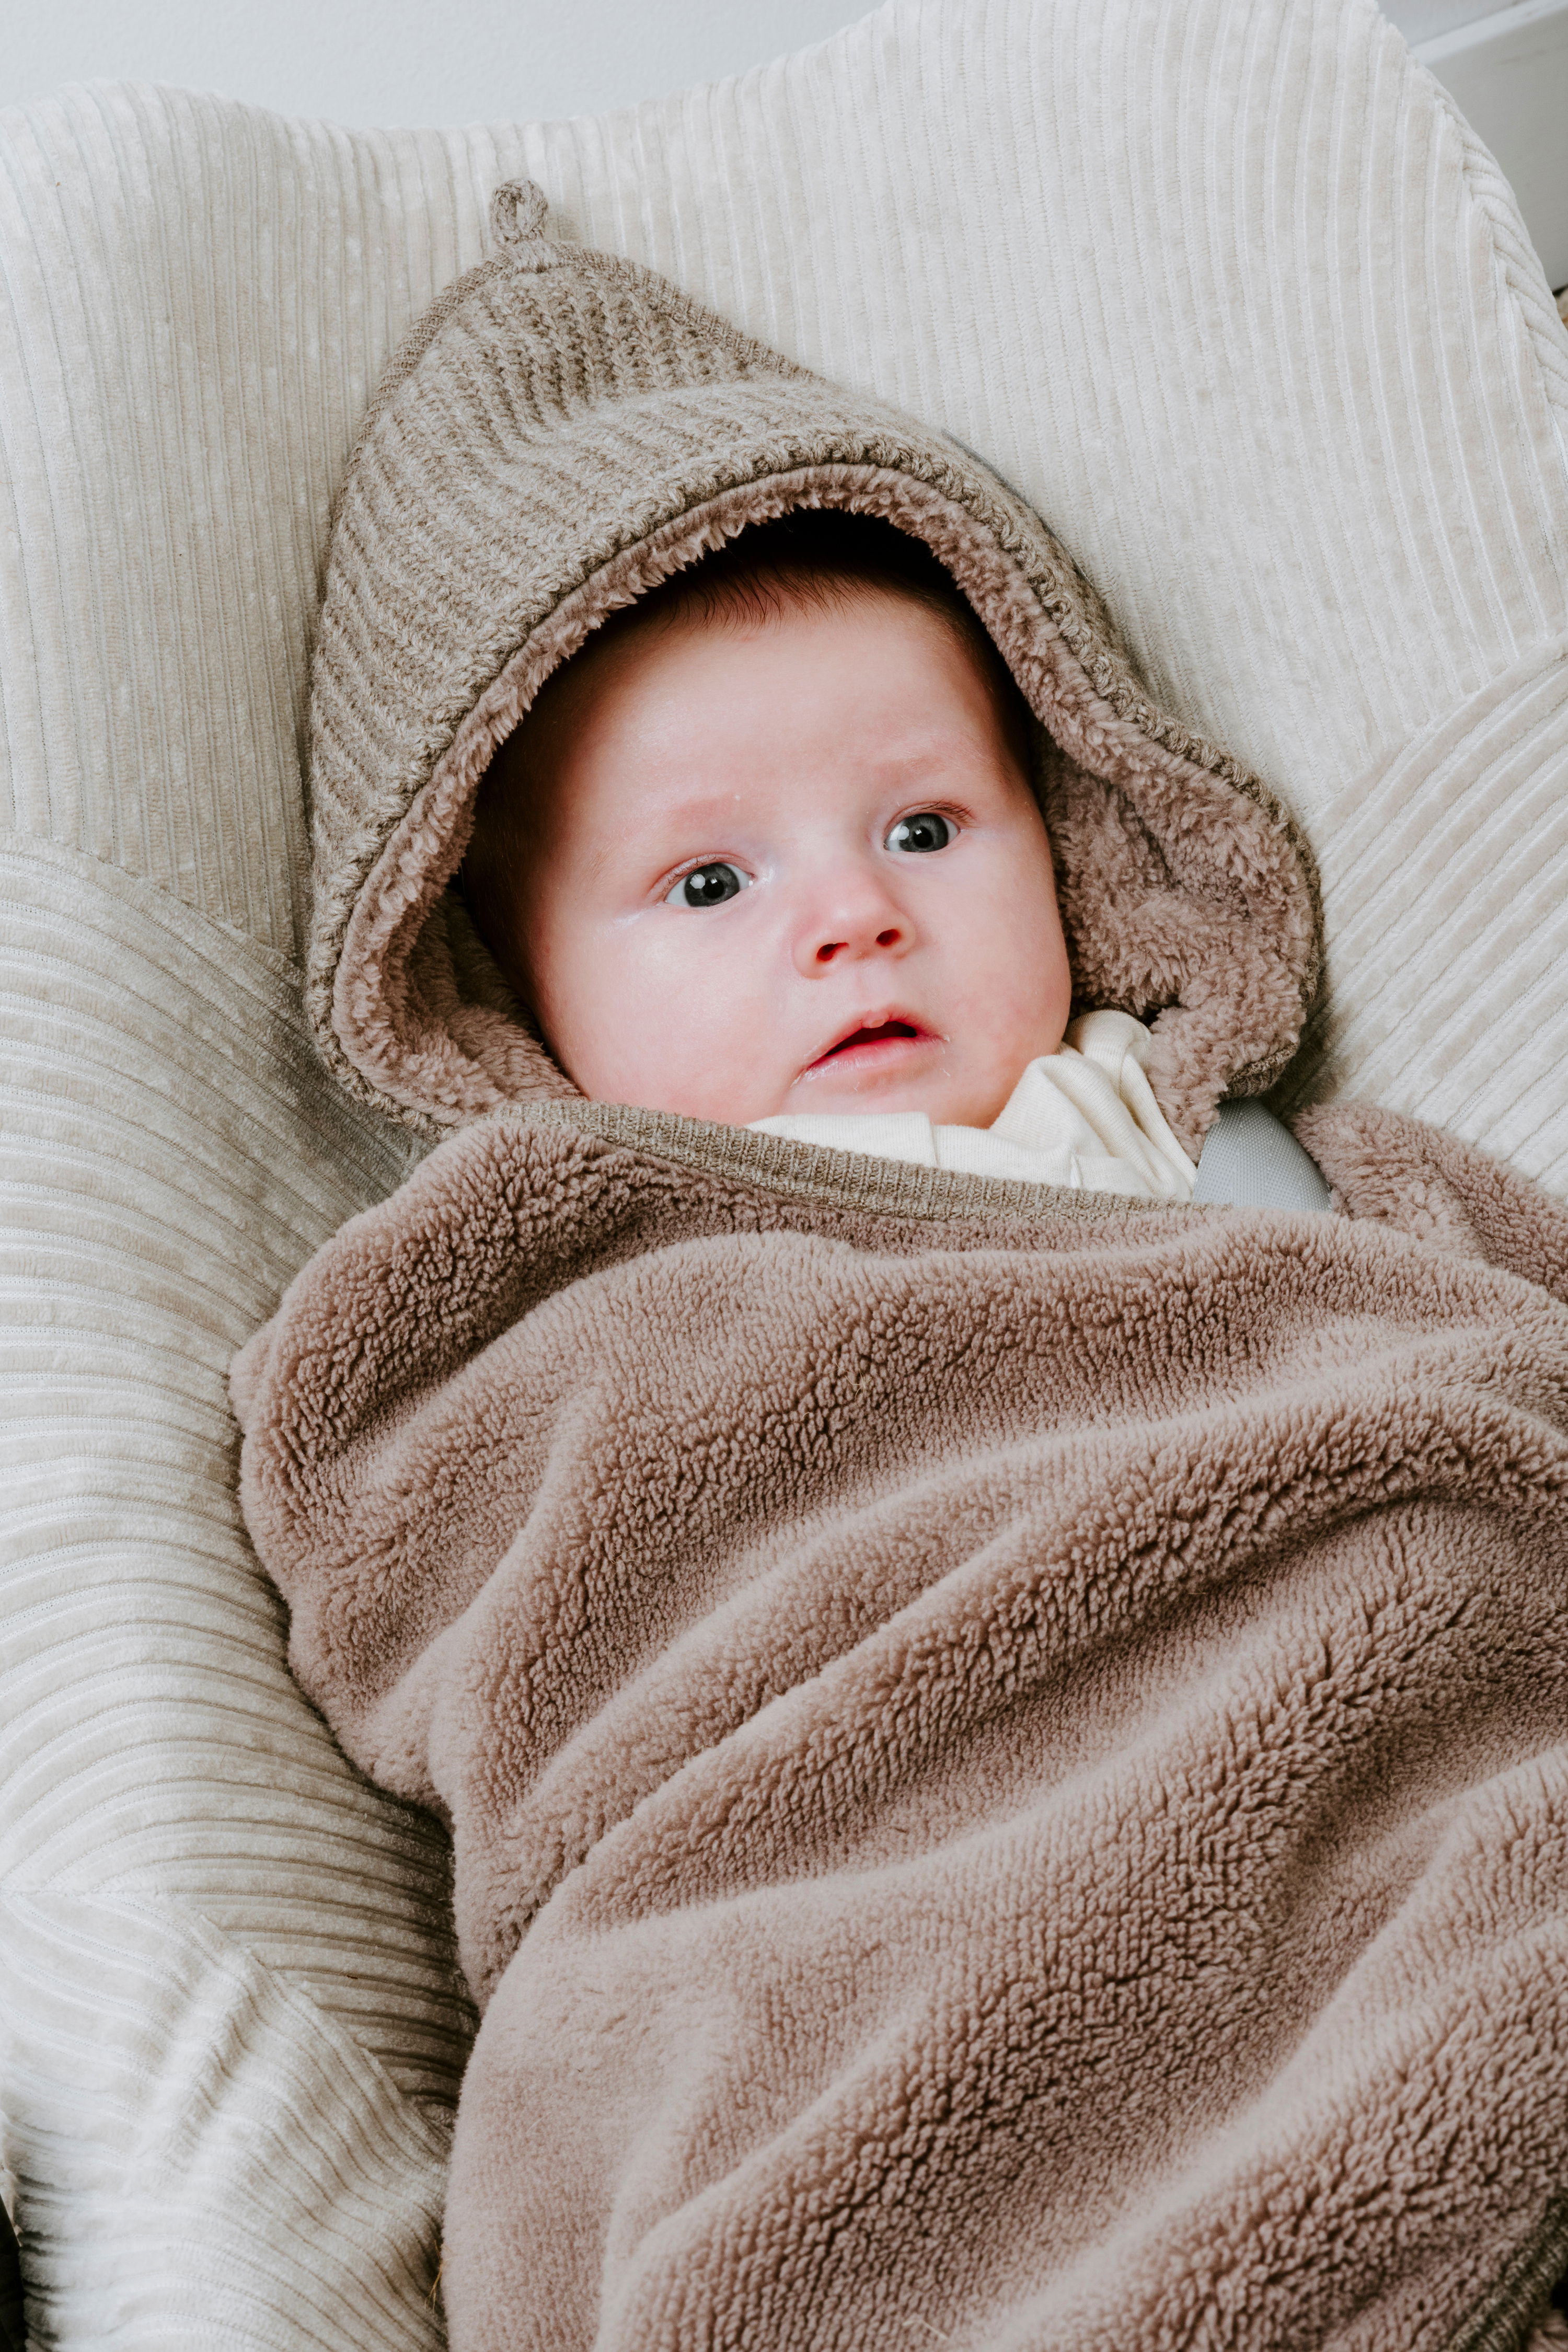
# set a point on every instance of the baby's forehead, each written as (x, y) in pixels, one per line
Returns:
(774, 624)
(850, 646)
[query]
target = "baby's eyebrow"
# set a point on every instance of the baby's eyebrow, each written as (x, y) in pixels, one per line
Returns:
(660, 835)
(699, 812)
(662, 830)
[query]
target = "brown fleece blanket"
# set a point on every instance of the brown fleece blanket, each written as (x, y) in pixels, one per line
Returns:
(1007, 1753)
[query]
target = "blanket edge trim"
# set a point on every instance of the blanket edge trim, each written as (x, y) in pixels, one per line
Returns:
(819, 1171)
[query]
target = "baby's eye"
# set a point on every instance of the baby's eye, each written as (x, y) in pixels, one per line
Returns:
(708, 886)
(920, 832)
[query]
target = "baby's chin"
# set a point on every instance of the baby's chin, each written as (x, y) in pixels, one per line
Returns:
(948, 1098)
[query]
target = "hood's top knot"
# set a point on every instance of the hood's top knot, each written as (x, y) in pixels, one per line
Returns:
(518, 211)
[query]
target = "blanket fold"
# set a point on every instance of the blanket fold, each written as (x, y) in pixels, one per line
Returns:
(1005, 1749)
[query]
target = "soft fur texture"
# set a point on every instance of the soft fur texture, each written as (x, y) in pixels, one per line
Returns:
(564, 430)
(1005, 1751)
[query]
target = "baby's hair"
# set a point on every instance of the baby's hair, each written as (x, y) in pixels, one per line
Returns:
(811, 556)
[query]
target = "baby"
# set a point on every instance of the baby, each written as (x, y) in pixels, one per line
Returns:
(1002, 1733)
(768, 850)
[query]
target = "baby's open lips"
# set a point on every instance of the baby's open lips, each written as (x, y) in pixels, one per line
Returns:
(867, 1042)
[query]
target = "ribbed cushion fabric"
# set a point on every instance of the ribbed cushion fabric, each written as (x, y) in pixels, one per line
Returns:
(1224, 288)
(230, 2025)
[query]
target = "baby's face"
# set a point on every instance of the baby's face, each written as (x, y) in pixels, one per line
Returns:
(785, 867)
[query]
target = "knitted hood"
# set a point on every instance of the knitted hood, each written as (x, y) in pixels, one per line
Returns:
(561, 431)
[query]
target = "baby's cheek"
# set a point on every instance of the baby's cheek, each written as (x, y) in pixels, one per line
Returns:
(1037, 975)
(684, 1023)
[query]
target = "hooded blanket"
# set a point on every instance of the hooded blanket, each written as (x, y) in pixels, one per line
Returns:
(1006, 1749)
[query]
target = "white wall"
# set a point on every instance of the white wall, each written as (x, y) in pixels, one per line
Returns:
(1424, 20)
(433, 61)
(407, 62)
(419, 61)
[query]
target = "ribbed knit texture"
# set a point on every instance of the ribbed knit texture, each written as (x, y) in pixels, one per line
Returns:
(1222, 286)
(230, 2034)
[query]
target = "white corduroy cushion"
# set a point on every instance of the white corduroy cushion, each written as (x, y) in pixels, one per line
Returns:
(1228, 291)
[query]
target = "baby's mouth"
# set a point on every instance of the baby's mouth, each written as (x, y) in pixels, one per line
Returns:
(873, 1041)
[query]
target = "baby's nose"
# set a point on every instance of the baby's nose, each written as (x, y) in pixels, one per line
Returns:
(889, 938)
(855, 916)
